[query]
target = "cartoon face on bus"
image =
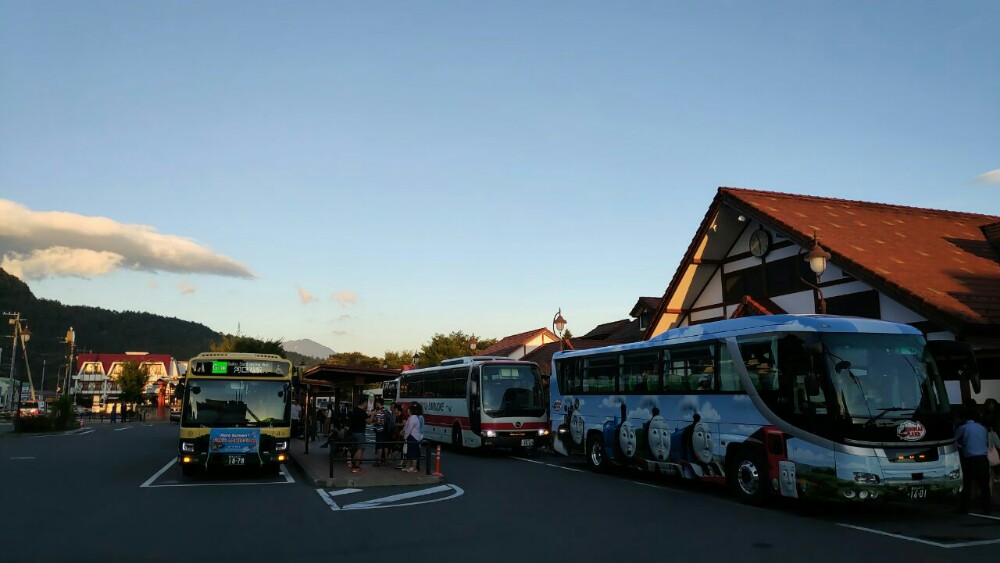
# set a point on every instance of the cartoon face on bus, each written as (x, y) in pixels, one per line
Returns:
(701, 443)
(576, 427)
(658, 437)
(626, 439)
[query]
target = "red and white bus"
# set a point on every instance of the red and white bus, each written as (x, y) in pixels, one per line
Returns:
(477, 401)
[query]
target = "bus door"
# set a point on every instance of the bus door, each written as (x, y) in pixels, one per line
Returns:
(957, 364)
(475, 404)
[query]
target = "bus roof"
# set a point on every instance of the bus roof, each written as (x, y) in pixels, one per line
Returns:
(467, 361)
(238, 356)
(754, 325)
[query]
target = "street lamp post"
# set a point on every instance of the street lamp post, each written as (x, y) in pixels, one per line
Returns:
(71, 340)
(817, 258)
(416, 358)
(558, 326)
(473, 342)
(15, 321)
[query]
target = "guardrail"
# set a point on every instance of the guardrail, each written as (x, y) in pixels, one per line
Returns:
(343, 451)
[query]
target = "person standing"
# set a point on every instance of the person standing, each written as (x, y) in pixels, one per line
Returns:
(358, 423)
(114, 413)
(971, 437)
(411, 439)
(296, 419)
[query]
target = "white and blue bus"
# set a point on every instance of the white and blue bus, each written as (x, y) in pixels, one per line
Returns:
(809, 406)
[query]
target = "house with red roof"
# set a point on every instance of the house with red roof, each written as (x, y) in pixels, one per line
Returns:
(96, 373)
(936, 270)
(516, 346)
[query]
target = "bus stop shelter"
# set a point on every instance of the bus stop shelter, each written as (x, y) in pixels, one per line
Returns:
(343, 385)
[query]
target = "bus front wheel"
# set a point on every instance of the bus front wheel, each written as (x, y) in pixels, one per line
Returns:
(596, 455)
(748, 478)
(456, 437)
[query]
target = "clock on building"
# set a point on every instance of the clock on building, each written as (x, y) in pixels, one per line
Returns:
(760, 242)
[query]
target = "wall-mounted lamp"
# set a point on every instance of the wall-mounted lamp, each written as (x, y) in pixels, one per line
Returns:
(817, 258)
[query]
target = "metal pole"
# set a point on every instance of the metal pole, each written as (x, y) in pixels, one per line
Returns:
(41, 386)
(13, 359)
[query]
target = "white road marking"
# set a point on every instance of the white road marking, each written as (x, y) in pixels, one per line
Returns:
(392, 501)
(990, 516)
(573, 469)
(157, 474)
(919, 540)
(340, 492)
(148, 483)
(23, 457)
(530, 460)
(125, 428)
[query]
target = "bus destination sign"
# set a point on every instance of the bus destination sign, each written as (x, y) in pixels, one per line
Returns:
(239, 367)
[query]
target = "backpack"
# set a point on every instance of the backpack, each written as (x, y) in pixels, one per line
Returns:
(379, 421)
(390, 421)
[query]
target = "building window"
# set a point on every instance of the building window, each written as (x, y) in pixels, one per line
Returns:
(861, 304)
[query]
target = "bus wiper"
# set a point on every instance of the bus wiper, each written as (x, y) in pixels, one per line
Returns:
(885, 411)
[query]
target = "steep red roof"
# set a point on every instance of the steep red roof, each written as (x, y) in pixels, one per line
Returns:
(108, 359)
(938, 263)
(508, 344)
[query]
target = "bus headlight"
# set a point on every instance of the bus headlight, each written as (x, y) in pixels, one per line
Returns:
(956, 474)
(543, 431)
(491, 434)
(281, 445)
(866, 478)
(187, 446)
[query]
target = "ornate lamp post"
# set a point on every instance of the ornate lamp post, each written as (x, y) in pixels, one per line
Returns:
(558, 326)
(817, 258)
(416, 358)
(473, 342)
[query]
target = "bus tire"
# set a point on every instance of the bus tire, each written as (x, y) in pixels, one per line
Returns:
(748, 478)
(597, 457)
(456, 437)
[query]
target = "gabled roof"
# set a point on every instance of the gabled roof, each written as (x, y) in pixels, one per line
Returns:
(760, 306)
(937, 263)
(603, 331)
(508, 344)
(650, 303)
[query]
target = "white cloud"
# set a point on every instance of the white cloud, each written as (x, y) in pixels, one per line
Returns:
(991, 177)
(186, 287)
(345, 298)
(60, 261)
(305, 296)
(93, 246)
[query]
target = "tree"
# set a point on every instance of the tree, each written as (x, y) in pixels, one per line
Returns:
(454, 345)
(132, 380)
(398, 359)
(354, 359)
(249, 344)
(567, 334)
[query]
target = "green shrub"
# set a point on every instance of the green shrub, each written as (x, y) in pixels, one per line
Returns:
(62, 413)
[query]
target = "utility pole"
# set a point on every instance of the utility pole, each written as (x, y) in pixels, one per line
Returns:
(16, 322)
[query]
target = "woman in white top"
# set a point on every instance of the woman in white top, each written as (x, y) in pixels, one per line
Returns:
(412, 437)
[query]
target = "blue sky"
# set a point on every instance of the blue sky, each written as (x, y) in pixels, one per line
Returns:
(424, 167)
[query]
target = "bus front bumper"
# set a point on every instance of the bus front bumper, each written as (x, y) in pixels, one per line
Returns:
(525, 439)
(204, 459)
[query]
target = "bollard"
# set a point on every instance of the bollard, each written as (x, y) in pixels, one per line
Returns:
(437, 463)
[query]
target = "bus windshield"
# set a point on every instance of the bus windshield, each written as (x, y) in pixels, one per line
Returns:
(512, 390)
(222, 403)
(881, 376)
(854, 386)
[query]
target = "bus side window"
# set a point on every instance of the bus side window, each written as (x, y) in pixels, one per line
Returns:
(729, 380)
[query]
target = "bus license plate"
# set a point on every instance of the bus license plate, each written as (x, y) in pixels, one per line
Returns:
(918, 493)
(528, 442)
(235, 460)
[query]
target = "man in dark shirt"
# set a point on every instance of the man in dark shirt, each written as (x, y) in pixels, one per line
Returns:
(358, 422)
(971, 437)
